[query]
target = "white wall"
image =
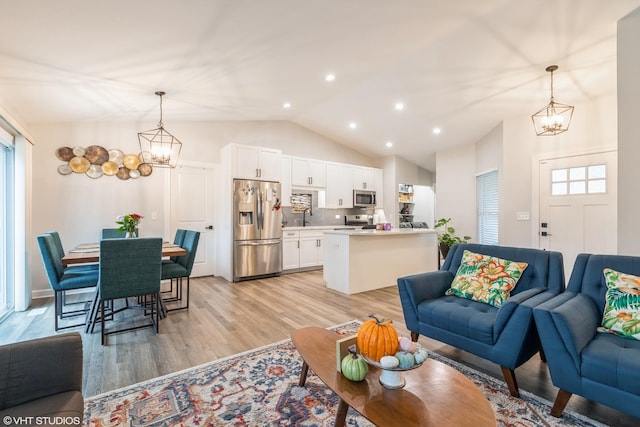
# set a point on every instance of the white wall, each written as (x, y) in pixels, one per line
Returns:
(516, 157)
(79, 207)
(628, 133)
(455, 188)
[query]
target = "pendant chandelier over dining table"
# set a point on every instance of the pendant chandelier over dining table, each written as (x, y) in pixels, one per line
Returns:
(553, 118)
(158, 146)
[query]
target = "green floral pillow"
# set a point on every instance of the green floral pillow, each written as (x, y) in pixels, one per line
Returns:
(622, 308)
(485, 278)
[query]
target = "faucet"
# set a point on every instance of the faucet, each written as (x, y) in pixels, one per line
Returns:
(304, 212)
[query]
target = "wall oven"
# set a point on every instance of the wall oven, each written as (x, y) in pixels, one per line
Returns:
(364, 199)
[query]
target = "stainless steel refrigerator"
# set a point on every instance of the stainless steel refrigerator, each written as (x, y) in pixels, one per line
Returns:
(257, 229)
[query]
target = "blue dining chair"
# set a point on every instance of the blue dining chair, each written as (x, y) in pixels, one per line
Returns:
(181, 268)
(62, 280)
(114, 233)
(59, 251)
(129, 268)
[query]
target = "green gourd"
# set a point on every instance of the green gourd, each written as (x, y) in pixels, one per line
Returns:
(354, 367)
(406, 359)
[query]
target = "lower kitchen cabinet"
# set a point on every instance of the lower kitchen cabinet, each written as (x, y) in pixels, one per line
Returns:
(302, 249)
(310, 249)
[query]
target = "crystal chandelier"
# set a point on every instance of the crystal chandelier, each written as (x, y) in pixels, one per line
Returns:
(553, 118)
(158, 146)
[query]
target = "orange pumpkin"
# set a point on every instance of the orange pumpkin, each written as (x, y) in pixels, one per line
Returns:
(377, 338)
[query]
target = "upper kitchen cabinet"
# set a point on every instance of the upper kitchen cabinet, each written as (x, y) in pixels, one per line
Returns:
(364, 178)
(256, 162)
(308, 173)
(339, 192)
(379, 185)
(285, 180)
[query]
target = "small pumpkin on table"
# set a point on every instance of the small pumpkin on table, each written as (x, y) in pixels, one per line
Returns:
(379, 343)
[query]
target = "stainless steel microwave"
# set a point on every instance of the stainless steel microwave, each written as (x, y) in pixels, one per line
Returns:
(364, 199)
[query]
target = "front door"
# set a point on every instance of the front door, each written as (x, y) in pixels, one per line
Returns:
(578, 205)
(192, 208)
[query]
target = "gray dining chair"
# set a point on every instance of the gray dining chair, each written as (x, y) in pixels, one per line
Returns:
(181, 268)
(62, 280)
(129, 268)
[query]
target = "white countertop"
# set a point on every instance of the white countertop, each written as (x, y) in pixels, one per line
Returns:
(319, 227)
(393, 232)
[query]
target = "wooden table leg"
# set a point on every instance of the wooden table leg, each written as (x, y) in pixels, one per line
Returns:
(341, 415)
(303, 374)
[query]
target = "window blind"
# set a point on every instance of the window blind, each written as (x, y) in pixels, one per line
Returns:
(488, 207)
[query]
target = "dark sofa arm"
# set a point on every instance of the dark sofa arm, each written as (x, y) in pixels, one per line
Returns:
(30, 370)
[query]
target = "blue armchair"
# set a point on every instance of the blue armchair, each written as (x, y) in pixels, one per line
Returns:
(504, 335)
(596, 365)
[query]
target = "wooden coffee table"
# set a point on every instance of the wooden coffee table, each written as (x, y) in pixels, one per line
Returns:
(435, 394)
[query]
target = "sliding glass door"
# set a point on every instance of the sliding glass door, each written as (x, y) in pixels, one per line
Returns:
(6, 229)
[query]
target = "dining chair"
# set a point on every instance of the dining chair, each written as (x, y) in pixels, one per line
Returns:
(177, 240)
(181, 268)
(62, 280)
(59, 251)
(114, 233)
(130, 268)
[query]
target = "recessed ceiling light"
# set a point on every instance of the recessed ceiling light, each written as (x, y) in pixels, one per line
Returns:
(399, 106)
(437, 131)
(389, 144)
(330, 77)
(286, 105)
(353, 125)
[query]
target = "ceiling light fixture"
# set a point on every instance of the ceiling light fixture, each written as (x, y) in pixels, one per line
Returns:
(353, 125)
(286, 105)
(555, 117)
(330, 77)
(437, 131)
(389, 144)
(158, 146)
(399, 106)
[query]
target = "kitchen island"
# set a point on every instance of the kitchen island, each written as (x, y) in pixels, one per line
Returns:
(363, 260)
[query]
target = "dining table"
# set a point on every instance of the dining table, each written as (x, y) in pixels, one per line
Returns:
(90, 253)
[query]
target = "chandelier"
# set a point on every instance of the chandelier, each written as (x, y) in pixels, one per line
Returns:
(158, 146)
(555, 117)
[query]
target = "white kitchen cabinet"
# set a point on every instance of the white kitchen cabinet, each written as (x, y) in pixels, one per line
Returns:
(379, 185)
(364, 178)
(285, 180)
(339, 193)
(308, 172)
(310, 248)
(290, 250)
(256, 163)
(302, 249)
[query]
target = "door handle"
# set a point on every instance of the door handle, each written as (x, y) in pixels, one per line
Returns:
(209, 227)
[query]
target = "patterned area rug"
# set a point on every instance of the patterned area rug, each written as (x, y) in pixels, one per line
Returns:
(260, 388)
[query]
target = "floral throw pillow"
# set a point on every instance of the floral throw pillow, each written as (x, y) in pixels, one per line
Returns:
(486, 279)
(622, 308)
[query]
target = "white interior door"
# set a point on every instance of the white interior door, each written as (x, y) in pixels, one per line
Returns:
(578, 205)
(192, 208)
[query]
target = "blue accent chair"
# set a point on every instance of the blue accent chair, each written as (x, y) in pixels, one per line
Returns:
(506, 335)
(129, 268)
(598, 366)
(181, 268)
(62, 280)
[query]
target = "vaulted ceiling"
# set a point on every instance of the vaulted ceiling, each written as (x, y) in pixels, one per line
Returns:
(460, 65)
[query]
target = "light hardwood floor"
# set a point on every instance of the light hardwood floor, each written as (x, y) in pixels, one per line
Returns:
(227, 318)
